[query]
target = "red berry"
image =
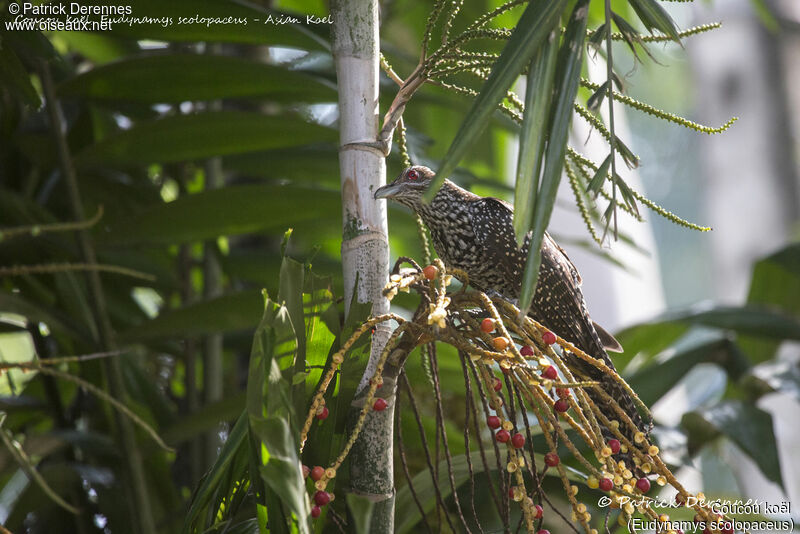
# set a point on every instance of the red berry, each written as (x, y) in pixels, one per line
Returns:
(379, 405)
(551, 459)
(543, 531)
(497, 384)
(643, 485)
(614, 445)
(317, 473)
(323, 414)
(306, 471)
(561, 406)
(539, 512)
(549, 337)
(511, 492)
(550, 372)
(430, 272)
(563, 393)
(502, 436)
(727, 528)
(493, 421)
(315, 511)
(487, 325)
(518, 440)
(606, 484)
(526, 351)
(322, 498)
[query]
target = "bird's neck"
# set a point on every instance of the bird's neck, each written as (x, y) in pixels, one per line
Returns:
(448, 195)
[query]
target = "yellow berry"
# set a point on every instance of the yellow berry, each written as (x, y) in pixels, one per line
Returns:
(592, 482)
(638, 437)
(330, 472)
(646, 468)
(581, 508)
(511, 467)
(661, 481)
(605, 452)
(653, 450)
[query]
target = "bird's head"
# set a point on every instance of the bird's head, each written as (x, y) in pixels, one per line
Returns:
(409, 187)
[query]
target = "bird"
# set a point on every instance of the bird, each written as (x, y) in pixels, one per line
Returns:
(476, 235)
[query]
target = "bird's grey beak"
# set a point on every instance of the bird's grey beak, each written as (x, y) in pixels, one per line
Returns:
(387, 191)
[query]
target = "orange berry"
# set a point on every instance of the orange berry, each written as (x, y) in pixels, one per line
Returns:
(430, 272)
(487, 325)
(500, 343)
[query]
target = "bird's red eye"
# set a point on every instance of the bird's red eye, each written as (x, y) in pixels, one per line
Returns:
(413, 175)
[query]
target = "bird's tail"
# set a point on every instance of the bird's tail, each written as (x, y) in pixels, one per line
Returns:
(608, 393)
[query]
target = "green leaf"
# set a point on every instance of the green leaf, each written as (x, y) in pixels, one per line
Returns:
(596, 183)
(751, 320)
(176, 78)
(100, 48)
(570, 59)
(627, 194)
(237, 311)
(534, 26)
(36, 312)
(201, 135)
(194, 20)
(647, 339)
(594, 101)
(655, 380)
(655, 17)
(272, 416)
(281, 470)
(234, 446)
(631, 159)
(533, 134)
(772, 376)
(631, 36)
(775, 284)
(598, 36)
(236, 210)
(318, 164)
(16, 78)
(746, 425)
(406, 510)
(206, 418)
(361, 512)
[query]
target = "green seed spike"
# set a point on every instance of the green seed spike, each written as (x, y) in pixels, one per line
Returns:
(583, 161)
(663, 38)
(579, 199)
(661, 114)
(486, 17)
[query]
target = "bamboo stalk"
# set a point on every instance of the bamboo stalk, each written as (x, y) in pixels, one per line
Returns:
(365, 247)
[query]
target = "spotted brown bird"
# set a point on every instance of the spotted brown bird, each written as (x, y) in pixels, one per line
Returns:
(476, 234)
